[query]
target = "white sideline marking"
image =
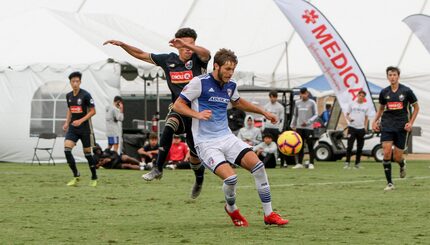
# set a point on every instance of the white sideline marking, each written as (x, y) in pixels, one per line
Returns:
(341, 182)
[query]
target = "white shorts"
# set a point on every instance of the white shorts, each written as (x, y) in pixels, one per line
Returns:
(225, 149)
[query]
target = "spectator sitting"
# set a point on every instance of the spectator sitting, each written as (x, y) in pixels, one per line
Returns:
(266, 151)
(111, 160)
(149, 152)
(178, 154)
(250, 134)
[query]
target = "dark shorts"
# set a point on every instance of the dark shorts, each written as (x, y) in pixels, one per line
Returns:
(184, 127)
(397, 137)
(87, 139)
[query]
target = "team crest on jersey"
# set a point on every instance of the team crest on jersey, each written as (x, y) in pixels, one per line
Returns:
(401, 97)
(189, 65)
(229, 91)
(79, 102)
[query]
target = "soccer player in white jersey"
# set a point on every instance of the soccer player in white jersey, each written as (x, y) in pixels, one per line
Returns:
(209, 96)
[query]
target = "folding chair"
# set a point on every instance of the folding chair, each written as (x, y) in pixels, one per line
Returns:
(45, 142)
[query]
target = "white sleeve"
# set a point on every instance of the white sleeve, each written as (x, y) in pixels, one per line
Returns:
(192, 91)
(235, 96)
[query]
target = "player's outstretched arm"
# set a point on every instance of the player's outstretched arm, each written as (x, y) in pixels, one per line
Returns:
(181, 107)
(245, 105)
(203, 53)
(133, 51)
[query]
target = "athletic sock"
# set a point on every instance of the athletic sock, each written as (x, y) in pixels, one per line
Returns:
(165, 144)
(387, 170)
(263, 187)
(92, 165)
(402, 163)
(229, 188)
(199, 172)
(71, 161)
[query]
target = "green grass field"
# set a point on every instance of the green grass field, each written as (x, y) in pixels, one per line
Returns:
(328, 205)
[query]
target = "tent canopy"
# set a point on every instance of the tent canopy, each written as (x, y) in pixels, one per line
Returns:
(321, 84)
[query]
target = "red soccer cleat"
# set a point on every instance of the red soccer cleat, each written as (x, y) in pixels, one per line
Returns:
(274, 219)
(236, 217)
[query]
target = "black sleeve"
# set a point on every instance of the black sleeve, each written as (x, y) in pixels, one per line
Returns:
(67, 100)
(412, 99)
(160, 60)
(382, 100)
(89, 102)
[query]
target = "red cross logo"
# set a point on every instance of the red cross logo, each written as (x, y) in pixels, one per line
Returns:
(310, 16)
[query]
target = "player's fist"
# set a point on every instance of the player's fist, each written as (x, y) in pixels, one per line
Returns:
(65, 127)
(269, 116)
(375, 127)
(77, 123)
(408, 127)
(205, 115)
(114, 42)
(177, 43)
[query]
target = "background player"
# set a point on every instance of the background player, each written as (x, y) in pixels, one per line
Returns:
(395, 101)
(114, 117)
(217, 146)
(78, 126)
(179, 69)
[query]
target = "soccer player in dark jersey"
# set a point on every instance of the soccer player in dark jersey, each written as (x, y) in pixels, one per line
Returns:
(394, 110)
(179, 70)
(78, 126)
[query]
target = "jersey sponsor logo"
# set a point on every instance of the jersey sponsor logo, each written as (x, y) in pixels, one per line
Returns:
(401, 97)
(211, 90)
(79, 102)
(181, 76)
(189, 64)
(395, 105)
(219, 99)
(76, 109)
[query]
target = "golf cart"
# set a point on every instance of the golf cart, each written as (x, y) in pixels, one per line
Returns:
(331, 144)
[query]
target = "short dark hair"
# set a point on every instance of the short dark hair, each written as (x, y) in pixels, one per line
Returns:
(117, 98)
(75, 74)
(303, 90)
(223, 55)
(273, 93)
(153, 136)
(328, 106)
(393, 68)
(268, 135)
(362, 92)
(186, 32)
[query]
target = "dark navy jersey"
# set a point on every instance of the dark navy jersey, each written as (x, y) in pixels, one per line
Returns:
(79, 106)
(178, 73)
(397, 105)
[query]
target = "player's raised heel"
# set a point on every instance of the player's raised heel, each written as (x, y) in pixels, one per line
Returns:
(153, 174)
(236, 217)
(275, 219)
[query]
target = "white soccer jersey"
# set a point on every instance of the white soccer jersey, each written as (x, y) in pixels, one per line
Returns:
(205, 93)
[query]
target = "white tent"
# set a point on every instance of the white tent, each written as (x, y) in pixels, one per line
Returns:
(258, 32)
(40, 48)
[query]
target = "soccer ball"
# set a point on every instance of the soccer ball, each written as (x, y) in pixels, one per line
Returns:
(289, 143)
